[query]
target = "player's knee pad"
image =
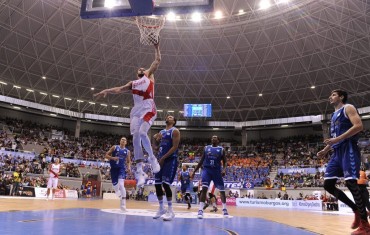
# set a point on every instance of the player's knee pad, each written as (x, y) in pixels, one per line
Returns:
(158, 190)
(168, 190)
(329, 185)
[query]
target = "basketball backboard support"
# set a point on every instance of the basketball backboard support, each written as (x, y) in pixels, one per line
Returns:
(91, 9)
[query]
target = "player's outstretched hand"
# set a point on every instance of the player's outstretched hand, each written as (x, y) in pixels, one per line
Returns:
(103, 94)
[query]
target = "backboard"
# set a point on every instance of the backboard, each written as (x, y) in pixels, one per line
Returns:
(91, 9)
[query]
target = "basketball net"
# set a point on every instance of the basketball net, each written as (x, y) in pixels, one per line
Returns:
(150, 27)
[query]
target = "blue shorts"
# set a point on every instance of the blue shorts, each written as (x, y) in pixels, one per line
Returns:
(344, 162)
(212, 174)
(185, 188)
(168, 171)
(117, 173)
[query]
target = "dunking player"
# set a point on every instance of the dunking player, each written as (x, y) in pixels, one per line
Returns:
(142, 114)
(184, 178)
(54, 170)
(119, 156)
(211, 162)
(345, 160)
(169, 142)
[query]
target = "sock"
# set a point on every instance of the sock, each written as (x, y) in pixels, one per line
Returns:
(169, 202)
(201, 205)
(223, 205)
(161, 207)
(123, 202)
(122, 189)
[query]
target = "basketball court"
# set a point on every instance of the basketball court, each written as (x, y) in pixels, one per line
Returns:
(97, 216)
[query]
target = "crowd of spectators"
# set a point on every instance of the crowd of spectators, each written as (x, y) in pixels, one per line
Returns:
(252, 164)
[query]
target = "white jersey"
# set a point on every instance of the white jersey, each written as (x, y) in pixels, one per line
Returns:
(142, 90)
(55, 168)
(143, 94)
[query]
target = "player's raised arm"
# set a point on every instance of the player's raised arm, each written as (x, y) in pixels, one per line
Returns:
(156, 61)
(114, 90)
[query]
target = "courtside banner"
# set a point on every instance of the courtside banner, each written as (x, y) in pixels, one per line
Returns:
(71, 193)
(27, 191)
(228, 184)
(59, 193)
(230, 201)
(315, 205)
(41, 192)
(251, 202)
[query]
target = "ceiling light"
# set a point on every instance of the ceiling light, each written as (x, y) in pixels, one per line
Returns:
(80, 101)
(196, 17)
(4, 83)
(264, 4)
(29, 90)
(43, 93)
(126, 107)
(167, 97)
(228, 97)
(215, 128)
(171, 16)
(17, 87)
(92, 88)
(66, 98)
(366, 116)
(91, 103)
(43, 77)
(170, 111)
(114, 106)
(56, 96)
(182, 128)
(110, 3)
(282, 1)
(284, 125)
(313, 87)
(53, 114)
(104, 105)
(16, 107)
(260, 94)
(218, 14)
(241, 11)
(159, 110)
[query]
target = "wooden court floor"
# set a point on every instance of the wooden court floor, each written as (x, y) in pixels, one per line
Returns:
(330, 223)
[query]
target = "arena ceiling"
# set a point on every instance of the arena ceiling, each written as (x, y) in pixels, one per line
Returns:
(280, 52)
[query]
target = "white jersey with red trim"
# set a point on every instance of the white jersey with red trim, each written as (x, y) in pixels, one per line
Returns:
(143, 94)
(55, 168)
(142, 89)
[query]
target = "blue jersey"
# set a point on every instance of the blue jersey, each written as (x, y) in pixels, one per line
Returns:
(213, 156)
(122, 155)
(340, 123)
(185, 177)
(166, 143)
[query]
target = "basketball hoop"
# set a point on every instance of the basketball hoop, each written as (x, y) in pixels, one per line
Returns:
(149, 27)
